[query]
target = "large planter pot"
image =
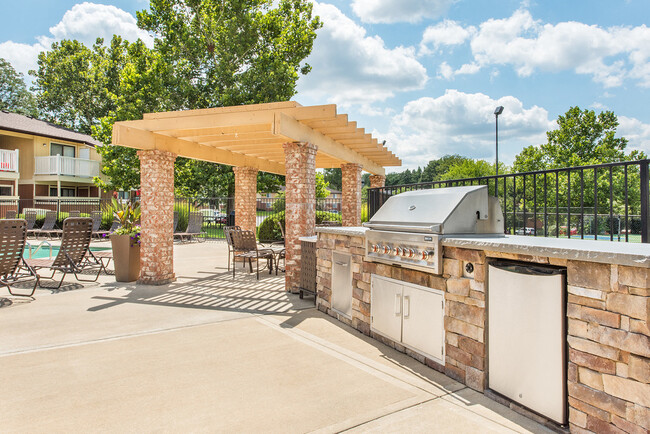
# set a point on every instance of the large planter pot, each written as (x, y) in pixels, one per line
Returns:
(126, 258)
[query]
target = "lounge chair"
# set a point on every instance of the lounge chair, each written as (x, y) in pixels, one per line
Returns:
(97, 223)
(10, 214)
(194, 228)
(13, 268)
(227, 232)
(49, 226)
(30, 218)
(74, 255)
(176, 221)
(245, 247)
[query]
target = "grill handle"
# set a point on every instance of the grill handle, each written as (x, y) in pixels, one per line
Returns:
(405, 228)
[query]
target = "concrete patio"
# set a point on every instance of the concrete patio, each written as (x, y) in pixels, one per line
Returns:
(211, 353)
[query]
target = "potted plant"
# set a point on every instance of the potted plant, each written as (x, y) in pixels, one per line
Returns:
(126, 241)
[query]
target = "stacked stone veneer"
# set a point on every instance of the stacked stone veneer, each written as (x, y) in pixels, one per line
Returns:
(300, 214)
(246, 197)
(157, 219)
(608, 346)
(351, 194)
(377, 181)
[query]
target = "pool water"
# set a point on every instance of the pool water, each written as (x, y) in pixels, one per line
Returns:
(44, 251)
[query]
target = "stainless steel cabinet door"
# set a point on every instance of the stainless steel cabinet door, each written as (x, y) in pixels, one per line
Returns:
(423, 323)
(526, 338)
(386, 308)
(342, 284)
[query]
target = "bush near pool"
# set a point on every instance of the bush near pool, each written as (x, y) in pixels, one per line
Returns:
(269, 230)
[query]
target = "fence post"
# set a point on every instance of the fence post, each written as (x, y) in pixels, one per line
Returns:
(645, 192)
(372, 201)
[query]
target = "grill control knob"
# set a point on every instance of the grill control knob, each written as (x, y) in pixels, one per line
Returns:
(386, 250)
(397, 251)
(405, 251)
(425, 255)
(411, 253)
(375, 248)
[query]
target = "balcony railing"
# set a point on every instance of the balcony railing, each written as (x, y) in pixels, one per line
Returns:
(8, 160)
(67, 166)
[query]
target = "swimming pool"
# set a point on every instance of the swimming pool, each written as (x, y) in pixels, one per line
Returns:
(44, 251)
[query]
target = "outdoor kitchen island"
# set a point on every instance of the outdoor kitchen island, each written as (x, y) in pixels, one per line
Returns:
(606, 303)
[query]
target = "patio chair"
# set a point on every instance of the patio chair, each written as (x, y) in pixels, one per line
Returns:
(13, 268)
(74, 255)
(97, 223)
(48, 227)
(10, 214)
(115, 226)
(176, 221)
(194, 228)
(30, 218)
(227, 232)
(245, 247)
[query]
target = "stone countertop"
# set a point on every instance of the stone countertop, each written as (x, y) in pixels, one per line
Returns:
(311, 239)
(352, 231)
(607, 252)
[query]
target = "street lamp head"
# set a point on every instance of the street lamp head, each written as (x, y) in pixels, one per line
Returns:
(498, 110)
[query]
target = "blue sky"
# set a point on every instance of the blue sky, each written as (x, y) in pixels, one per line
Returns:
(426, 75)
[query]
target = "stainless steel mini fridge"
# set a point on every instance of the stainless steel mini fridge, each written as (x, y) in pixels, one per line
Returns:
(527, 336)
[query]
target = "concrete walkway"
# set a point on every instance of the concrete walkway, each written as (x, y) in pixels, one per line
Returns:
(210, 353)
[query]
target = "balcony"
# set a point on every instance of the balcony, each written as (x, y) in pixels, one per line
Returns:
(66, 166)
(8, 163)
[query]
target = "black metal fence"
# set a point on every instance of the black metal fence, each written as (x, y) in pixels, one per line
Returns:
(600, 202)
(217, 211)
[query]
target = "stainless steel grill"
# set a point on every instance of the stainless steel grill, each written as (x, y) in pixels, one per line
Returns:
(408, 229)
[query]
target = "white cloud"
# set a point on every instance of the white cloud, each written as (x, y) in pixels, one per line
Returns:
(85, 22)
(351, 67)
(445, 33)
(463, 123)
(395, 11)
(89, 21)
(635, 131)
(608, 55)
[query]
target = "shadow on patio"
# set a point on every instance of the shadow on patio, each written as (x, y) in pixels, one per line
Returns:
(215, 291)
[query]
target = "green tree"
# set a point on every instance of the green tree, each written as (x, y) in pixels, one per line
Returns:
(334, 178)
(435, 170)
(468, 168)
(14, 96)
(582, 138)
(207, 53)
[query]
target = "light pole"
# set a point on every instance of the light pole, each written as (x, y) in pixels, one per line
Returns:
(497, 112)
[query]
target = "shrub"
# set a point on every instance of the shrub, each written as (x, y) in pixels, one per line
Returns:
(269, 230)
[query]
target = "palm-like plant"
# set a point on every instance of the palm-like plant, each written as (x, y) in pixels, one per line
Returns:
(128, 215)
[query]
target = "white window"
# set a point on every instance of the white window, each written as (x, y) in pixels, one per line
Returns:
(62, 150)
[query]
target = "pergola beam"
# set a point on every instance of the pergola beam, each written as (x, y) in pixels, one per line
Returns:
(140, 139)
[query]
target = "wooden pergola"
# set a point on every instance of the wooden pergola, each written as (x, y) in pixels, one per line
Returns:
(283, 138)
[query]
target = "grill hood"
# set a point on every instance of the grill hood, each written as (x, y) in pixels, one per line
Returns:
(452, 210)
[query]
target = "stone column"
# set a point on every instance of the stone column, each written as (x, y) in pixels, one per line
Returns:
(377, 181)
(351, 206)
(157, 220)
(246, 197)
(300, 215)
